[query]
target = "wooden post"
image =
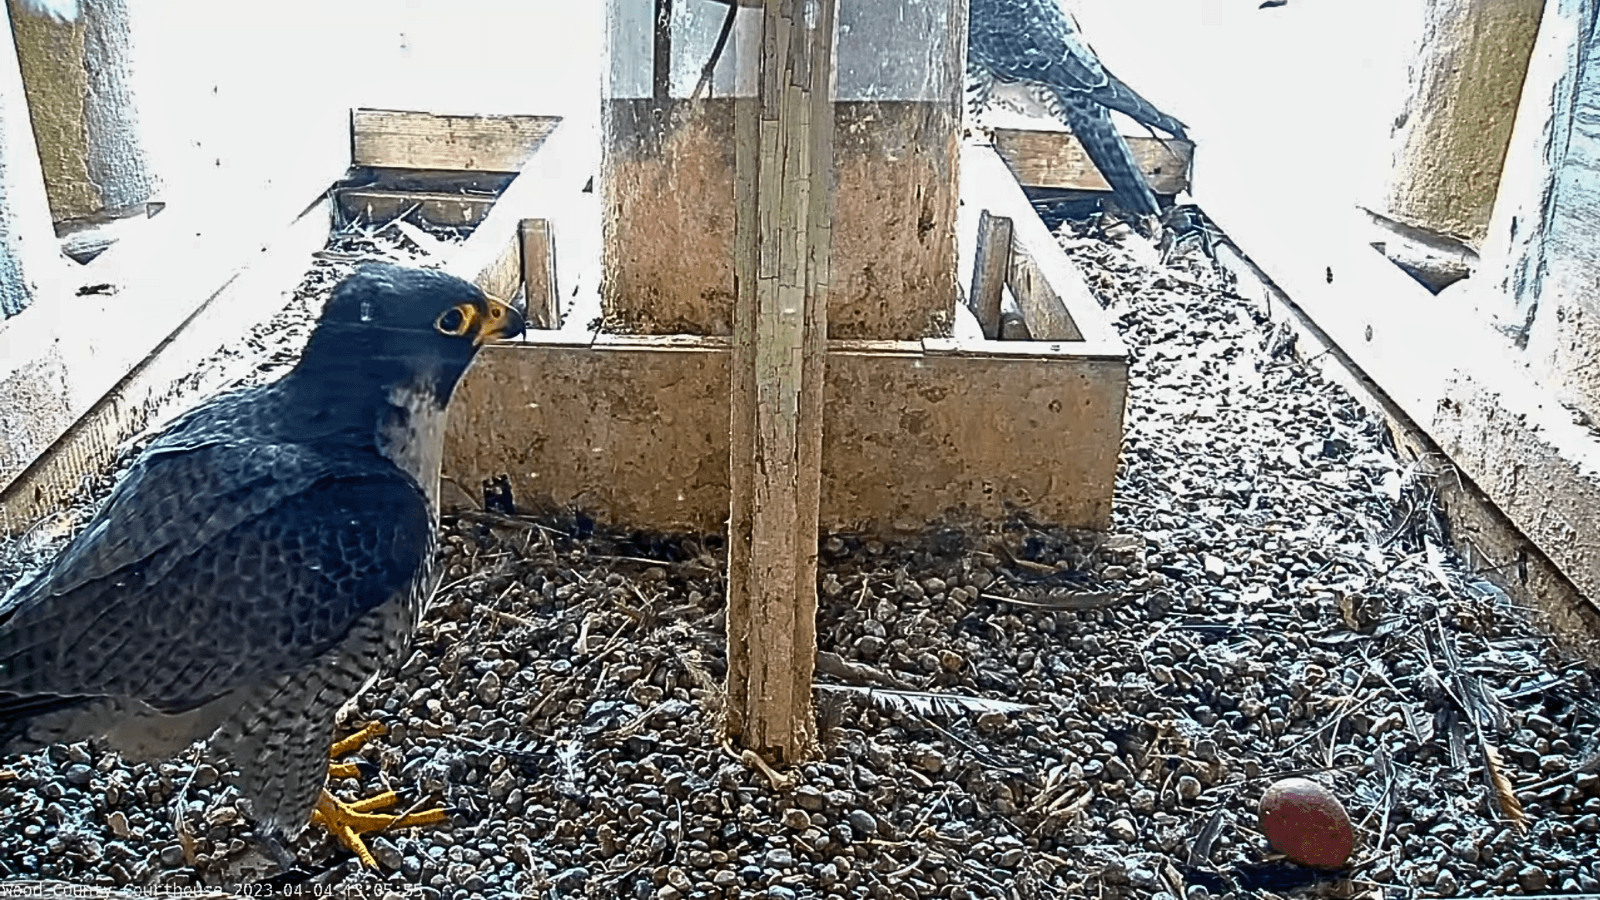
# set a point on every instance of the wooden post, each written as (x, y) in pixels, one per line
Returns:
(783, 232)
(989, 273)
(539, 273)
(667, 183)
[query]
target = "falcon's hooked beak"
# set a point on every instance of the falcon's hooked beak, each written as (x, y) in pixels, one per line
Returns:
(498, 322)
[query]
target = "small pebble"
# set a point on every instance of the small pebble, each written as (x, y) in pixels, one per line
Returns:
(864, 824)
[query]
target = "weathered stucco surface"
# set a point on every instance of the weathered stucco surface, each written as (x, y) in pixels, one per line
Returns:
(670, 219)
(27, 243)
(80, 89)
(1450, 140)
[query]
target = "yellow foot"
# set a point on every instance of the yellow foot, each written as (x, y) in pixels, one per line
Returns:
(348, 821)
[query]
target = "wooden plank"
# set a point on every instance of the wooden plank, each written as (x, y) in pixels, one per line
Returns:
(1048, 158)
(420, 140)
(784, 235)
(1047, 286)
(147, 394)
(634, 430)
(434, 207)
(1511, 273)
(539, 273)
(1479, 530)
(993, 262)
(1563, 344)
(547, 188)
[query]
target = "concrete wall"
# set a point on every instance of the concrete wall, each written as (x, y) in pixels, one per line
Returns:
(1450, 140)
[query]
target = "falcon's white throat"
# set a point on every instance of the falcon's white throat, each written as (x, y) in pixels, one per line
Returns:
(414, 440)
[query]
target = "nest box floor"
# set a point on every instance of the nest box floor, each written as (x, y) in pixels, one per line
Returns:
(1017, 712)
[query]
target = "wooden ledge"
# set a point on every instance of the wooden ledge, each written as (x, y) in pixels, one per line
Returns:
(1448, 376)
(634, 429)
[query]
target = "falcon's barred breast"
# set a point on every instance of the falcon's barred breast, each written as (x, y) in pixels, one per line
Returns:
(262, 558)
(1036, 45)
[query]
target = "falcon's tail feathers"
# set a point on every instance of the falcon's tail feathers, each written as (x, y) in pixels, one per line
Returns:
(1126, 100)
(1092, 126)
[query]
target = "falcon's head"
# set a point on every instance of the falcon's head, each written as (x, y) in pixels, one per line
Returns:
(389, 328)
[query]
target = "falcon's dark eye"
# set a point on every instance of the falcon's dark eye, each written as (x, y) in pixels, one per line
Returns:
(455, 321)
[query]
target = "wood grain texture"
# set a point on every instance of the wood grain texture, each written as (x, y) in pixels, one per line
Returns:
(539, 273)
(547, 188)
(434, 207)
(634, 430)
(419, 140)
(784, 236)
(992, 262)
(1047, 287)
(1048, 158)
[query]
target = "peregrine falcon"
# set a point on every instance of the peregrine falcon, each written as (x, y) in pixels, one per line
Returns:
(263, 557)
(1036, 45)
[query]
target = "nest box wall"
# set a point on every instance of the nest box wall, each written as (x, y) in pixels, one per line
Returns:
(669, 173)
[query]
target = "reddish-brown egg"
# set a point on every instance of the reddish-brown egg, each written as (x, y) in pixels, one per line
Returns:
(1304, 821)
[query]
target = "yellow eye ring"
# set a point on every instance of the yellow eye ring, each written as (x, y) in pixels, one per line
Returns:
(456, 321)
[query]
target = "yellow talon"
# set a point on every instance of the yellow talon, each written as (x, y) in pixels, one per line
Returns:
(348, 821)
(354, 741)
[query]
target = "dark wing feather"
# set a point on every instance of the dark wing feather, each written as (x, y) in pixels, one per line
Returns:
(1035, 41)
(1118, 96)
(214, 567)
(1032, 40)
(1092, 125)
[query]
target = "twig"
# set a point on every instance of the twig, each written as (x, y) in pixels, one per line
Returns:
(1075, 601)
(977, 754)
(928, 813)
(1592, 764)
(572, 676)
(1387, 798)
(752, 759)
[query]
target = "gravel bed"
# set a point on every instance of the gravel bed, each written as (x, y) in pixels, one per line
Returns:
(1007, 711)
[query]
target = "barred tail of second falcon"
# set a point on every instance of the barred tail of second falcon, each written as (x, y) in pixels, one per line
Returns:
(1126, 100)
(1091, 124)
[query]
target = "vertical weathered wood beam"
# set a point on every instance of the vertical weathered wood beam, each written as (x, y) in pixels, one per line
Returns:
(1510, 280)
(782, 238)
(539, 273)
(993, 261)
